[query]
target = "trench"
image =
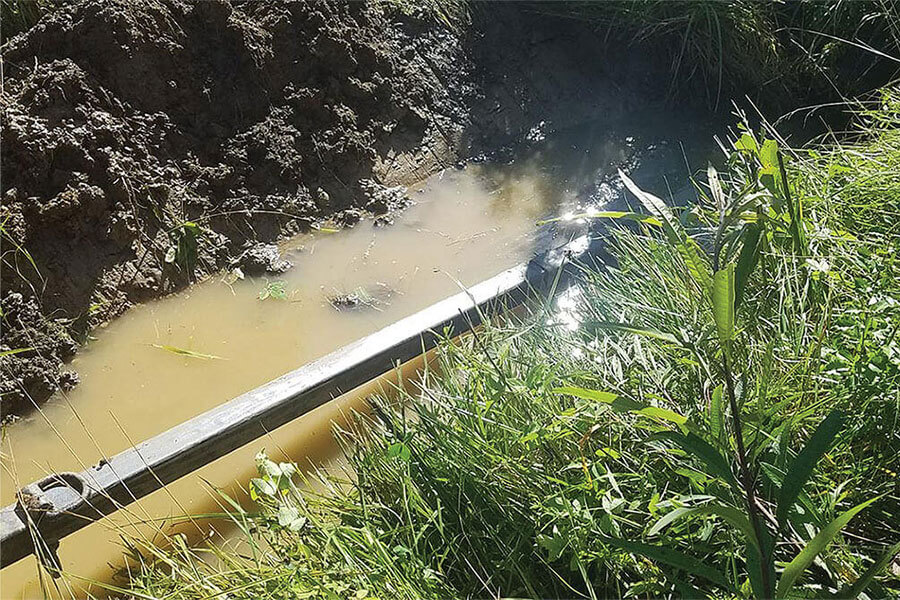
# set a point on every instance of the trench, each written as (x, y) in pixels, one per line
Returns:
(464, 226)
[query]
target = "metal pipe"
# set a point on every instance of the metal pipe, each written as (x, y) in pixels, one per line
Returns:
(63, 503)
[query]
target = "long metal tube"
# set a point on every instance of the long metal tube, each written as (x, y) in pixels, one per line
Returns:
(63, 503)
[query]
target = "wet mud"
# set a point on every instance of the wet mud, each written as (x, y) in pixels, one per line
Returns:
(146, 145)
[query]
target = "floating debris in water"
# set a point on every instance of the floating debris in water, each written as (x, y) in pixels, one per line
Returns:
(187, 353)
(261, 258)
(361, 297)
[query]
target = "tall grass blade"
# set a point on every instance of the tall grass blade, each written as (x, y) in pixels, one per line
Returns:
(670, 557)
(621, 404)
(656, 206)
(728, 513)
(796, 567)
(700, 448)
(747, 260)
(643, 331)
(859, 586)
(802, 466)
(14, 351)
(187, 353)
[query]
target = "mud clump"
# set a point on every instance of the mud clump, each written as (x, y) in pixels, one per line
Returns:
(123, 121)
(261, 258)
(146, 144)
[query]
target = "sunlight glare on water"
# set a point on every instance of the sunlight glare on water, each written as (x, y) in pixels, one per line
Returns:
(465, 226)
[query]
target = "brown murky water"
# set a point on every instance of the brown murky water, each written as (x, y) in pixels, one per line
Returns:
(465, 226)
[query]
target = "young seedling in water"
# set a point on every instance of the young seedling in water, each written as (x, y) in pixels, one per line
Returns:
(187, 353)
(273, 289)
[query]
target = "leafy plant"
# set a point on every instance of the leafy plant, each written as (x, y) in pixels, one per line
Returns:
(276, 290)
(21, 15)
(531, 460)
(185, 239)
(762, 198)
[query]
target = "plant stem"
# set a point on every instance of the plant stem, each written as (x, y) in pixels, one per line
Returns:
(746, 477)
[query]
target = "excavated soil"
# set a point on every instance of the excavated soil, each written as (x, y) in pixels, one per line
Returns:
(147, 144)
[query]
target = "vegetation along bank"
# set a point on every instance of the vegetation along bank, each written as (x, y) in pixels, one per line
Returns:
(722, 422)
(148, 144)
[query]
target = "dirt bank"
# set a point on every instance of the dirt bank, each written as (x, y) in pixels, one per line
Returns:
(147, 144)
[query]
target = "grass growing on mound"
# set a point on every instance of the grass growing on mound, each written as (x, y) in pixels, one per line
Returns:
(746, 349)
(772, 50)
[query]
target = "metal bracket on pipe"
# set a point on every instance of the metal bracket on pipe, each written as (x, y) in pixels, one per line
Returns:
(43, 502)
(63, 503)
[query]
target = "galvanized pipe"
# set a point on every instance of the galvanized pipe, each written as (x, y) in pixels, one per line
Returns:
(63, 503)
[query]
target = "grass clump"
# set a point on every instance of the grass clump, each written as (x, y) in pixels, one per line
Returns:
(772, 50)
(723, 423)
(453, 14)
(17, 16)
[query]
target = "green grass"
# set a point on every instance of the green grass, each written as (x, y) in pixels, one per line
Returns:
(774, 51)
(453, 14)
(540, 461)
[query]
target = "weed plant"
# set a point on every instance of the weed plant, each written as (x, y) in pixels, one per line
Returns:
(722, 423)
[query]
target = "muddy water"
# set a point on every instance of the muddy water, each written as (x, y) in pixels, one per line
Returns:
(465, 226)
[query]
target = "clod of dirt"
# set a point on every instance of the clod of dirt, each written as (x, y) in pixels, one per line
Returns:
(381, 199)
(370, 297)
(32, 373)
(262, 258)
(346, 301)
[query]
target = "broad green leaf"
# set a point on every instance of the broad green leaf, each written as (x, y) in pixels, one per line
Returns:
(851, 592)
(287, 515)
(768, 154)
(663, 413)
(796, 567)
(670, 557)
(802, 466)
(746, 143)
(770, 177)
(717, 414)
(776, 476)
(723, 302)
(553, 544)
(735, 517)
(608, 214)
(747, 260)
(696, 263)
(700, 448)
(399, 450)
(651, 333)
(621, 404)
(596, 395)
(262, 487)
